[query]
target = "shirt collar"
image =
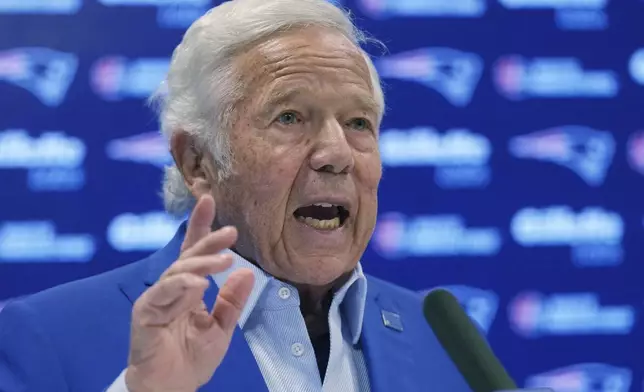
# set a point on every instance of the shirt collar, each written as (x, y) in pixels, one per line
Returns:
(351, 297)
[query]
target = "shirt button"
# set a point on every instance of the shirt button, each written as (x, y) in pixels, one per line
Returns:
(297, 349)
(284, 293)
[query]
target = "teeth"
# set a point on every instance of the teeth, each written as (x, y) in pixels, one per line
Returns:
(328, 224)
(323, 205)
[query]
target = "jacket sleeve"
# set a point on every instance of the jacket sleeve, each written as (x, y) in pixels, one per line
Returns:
(28, 362)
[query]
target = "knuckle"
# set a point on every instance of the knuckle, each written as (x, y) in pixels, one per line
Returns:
(140, 308)
(176, 268)
(232, 300)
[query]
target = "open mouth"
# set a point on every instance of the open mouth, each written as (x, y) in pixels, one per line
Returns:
(322, 216)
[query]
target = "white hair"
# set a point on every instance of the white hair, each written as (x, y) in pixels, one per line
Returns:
(202, 88)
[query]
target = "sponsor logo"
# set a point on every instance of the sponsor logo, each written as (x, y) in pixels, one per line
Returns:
(44, 72)
(553, 4)
(170, 13)
(452, 73)
(40, 7)
(381, 9)
(594, 234)
(53, 160)
(397, 236)
(152, 3)
(460, 157)
(117, 78)
(518, 78)
(149, 148)
(533, 315)
(581, 19)
(569, 14)
(38, 241)
(560, 225)
(587, 152)
(584, 377)
(144, 232)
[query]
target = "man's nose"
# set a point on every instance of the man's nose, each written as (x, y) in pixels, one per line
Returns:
(332, 152)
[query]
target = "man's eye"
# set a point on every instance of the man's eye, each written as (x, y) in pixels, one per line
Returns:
(288, 118)
(360, 124)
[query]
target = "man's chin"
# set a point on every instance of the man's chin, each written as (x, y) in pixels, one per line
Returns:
(319, 256)
(321, 269)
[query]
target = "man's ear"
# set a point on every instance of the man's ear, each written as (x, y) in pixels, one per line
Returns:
(193, 162)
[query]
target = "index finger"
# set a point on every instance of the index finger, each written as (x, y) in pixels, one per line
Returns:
(200, 223)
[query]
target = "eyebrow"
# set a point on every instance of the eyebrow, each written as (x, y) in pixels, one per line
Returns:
(277, 98)
(367, 103)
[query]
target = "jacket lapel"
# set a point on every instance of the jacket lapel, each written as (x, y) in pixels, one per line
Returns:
(238, 371)
(401, 351)
(239, 356)
(387, 345)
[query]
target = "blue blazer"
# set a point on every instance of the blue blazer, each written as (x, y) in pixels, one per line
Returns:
(75, 337)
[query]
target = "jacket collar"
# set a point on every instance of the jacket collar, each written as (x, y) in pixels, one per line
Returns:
(153, 267)
(391, 331)
(351, 297)
(159, 261)
(239, 355)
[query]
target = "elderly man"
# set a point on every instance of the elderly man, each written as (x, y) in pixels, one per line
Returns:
(272, 112)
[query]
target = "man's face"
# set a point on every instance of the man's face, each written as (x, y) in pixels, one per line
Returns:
(303, 194)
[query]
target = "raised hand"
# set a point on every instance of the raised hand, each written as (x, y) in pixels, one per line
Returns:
(176, 345)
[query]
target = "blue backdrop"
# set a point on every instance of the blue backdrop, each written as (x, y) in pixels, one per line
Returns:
(513, 149)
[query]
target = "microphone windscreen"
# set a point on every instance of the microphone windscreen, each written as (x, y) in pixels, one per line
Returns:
(464, 343)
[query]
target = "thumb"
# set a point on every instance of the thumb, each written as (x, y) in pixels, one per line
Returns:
(232, 299)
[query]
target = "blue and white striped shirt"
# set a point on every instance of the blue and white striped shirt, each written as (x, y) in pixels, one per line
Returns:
(277, 335)
(278, 338)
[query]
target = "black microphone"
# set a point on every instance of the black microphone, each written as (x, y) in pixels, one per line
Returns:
(464, 344)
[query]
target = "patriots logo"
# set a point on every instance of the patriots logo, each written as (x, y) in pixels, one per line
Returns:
(44, 72)
(587, 152)
(452, 73)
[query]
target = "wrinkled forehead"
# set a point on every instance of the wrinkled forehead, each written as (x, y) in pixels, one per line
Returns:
(305, 49)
